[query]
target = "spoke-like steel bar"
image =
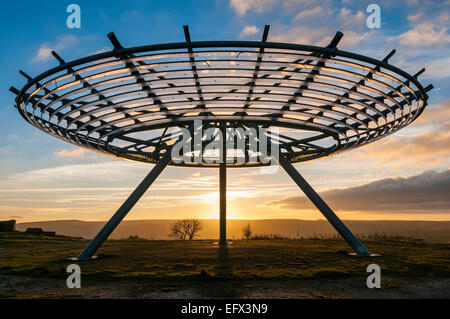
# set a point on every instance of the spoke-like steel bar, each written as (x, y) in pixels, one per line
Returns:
(123, 102)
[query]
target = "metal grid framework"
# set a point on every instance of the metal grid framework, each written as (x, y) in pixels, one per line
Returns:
(131, 102)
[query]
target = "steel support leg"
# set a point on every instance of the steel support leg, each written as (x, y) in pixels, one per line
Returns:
(223, 190)
(109, 227)
(357, 246)
(223, 203)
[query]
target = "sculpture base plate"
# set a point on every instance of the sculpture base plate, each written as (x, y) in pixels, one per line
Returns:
(371, 255)
(82, 259)
(218, 243)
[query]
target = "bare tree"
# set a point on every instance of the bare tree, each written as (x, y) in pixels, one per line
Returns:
(193, 226)
(247, 231)
(177, 230)
(186, 228)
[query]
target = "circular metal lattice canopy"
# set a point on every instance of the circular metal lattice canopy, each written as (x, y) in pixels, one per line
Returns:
(134, 103)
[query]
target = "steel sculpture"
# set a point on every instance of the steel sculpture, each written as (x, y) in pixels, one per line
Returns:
(132, 103)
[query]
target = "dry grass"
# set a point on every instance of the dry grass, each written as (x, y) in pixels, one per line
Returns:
(246, 263)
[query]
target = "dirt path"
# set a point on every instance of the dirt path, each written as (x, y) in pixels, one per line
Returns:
(25, 287)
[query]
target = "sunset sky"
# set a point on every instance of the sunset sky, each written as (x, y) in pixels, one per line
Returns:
(403, 176)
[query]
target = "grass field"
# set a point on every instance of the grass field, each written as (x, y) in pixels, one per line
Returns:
(35, 267)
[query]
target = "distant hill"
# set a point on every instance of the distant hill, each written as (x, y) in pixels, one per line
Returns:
(159, 229)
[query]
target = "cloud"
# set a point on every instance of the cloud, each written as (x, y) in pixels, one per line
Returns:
(425, 193)
(426, 142)
(63, 175)
(242, 6)
(429, 26)
(6, 149)
(13, 137)
(346, 18)
(308, 13)
(429, 148)
(44, 52)
(437, 68)
(103, 49)
(435, 61)
(76, 153)
(312, 24)
(303, 35)
(435, 15)
(352, 38)
(438, 115)
(249, 30)
(319, 36)
(196, 175)
(424, 35)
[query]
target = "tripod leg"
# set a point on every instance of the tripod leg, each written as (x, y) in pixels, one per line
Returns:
(109, 227)
(357, 246)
